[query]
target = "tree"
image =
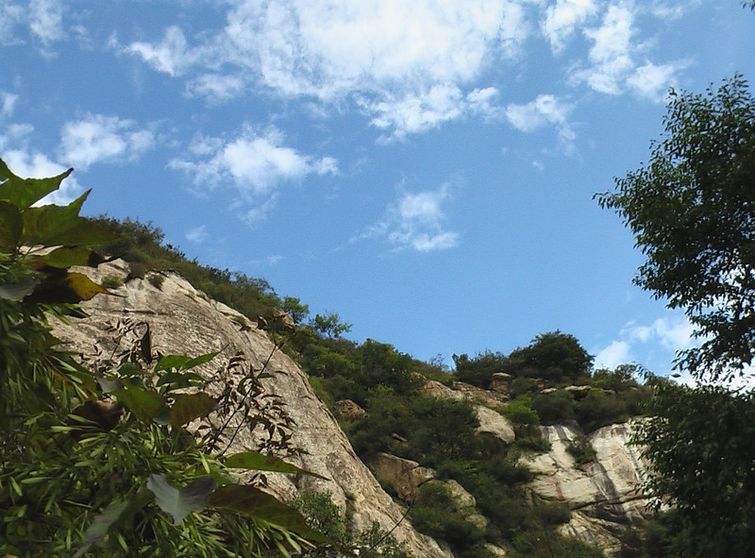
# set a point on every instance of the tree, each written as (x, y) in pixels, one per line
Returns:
(329, 324)
(692, 211)
(552, 356)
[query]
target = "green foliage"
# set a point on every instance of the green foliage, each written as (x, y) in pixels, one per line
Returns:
(599, 408)
(478, 371)
(436, 513)
(554, 408)
(111, 282)
(156, 280)
(329, 325)
(553, 356)
(581, 450)
(97, 459)
(692, 211)
(700, 444)
(295, 308)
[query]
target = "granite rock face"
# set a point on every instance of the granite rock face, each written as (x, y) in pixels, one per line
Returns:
(183, 320)
(603, 494)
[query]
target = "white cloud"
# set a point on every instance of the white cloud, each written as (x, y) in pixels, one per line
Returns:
(216, 87)
(563, 18)
(99, 138)
(545, 109)
(616, 353)
(674, 332)
(170, 56)
(613, 67)
(28, 164)
(46, 20)
(415, 113)
(666, 335)
(255, 163)
(652, 81)
(197, 234)
(410, 65)
(42, 18)
(7, 103)
(416, 221)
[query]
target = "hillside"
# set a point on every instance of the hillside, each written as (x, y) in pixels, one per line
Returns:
(490, 434)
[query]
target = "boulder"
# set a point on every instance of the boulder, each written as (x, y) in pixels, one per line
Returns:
(495, 551)
(436, 390)
(348, 409)
(500, 383)
(494, 423)
(404, 476)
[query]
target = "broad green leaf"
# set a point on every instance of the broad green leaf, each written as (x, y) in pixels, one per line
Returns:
(17, 291)
(11, 224)
(143, 403)
(85, 233)
(188, 407)
(129, 369)
(170, 362)
(65, 257)
(67, 287)
(101, 525)
(181, 502)
(43, 225)
(178, 380)
(201, 359)
(23, 192)
(260, 505)
(260, 462)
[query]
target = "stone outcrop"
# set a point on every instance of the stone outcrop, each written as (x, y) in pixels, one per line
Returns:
(185, 321)
(500, 382)
(404, 476)
(495, 424)
(348, 409)
(603, 494)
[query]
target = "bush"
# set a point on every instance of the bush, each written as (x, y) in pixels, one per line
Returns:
(581, 450)
(156, 280)
(435, 513)
(111, 282)
(554, 408)
(599, 409)
(479, 370)
(554, 356)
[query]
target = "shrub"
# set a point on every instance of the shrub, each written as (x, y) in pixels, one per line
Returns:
(554, 356)
(156, 280)
(436, 513)
(554, 408)
(581, 450)
(111, 282)
(478, 370)
(599, 409)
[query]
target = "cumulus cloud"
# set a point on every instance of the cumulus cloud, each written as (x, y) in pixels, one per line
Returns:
(613, 66)
(409, 65)
(416, 221)
(563, 18)
(667, 334)
(611, 356)
(256, 163)
(46, 20)
(99, 138)
(545, 109)
(32, 164)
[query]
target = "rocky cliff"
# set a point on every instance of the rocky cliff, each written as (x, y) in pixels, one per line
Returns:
(184, 321)
(602, 492)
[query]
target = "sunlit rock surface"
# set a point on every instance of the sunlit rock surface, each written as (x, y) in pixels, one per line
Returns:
(603, 494)
(184, 321)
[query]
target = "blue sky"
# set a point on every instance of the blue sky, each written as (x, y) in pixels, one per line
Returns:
(423, 168)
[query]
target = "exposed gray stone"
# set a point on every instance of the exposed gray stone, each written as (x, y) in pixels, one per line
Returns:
(403, 475)
(494, 423)
(185, 321)
(349, 409)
